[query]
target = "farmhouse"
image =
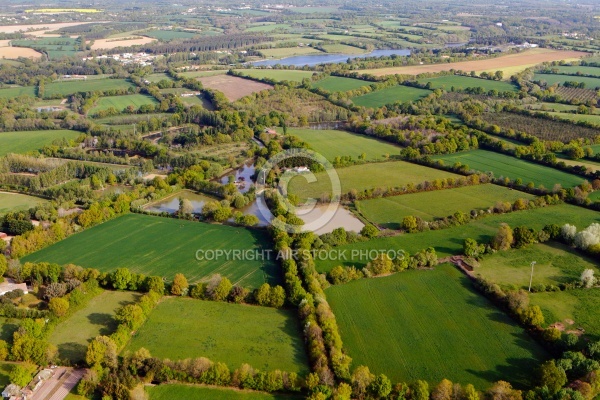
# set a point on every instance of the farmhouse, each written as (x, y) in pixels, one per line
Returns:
(9, 285)
(12, 391)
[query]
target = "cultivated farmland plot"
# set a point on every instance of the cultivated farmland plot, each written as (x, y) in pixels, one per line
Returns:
(464, 82)
(169, 392)
(390, 95)
(121, 102)
(551, 79)
(163, 247)
(263, 337)
(28, 141)
(340, 84)
(431, 325)
(278, 75)
(233, 87)
(65, 88)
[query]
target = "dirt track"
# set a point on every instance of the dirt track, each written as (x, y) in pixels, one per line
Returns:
(232, 87)
(529, 57)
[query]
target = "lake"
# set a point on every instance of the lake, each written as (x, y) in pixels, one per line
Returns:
(171, 204)
(311, 60)
(243, 177)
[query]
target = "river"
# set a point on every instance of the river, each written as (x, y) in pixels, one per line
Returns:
(312, 60)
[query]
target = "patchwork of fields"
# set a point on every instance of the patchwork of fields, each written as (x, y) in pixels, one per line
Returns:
(332, 143)
(389, 211)
(263, 337)
(28, 141)
(163, 247)
(506, 166)
(431, 325)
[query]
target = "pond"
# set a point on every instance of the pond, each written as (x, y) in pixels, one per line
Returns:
(311, 60)
(242, 177)
(171, 204)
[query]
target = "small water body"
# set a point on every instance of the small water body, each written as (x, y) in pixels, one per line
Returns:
(171, 204)
(115, 189)
(312, 60)
(457, 44)
(243, 177)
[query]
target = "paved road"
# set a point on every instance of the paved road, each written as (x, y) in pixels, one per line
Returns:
(57, 387)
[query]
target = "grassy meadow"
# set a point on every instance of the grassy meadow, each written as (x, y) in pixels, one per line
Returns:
(10, 202)
(121, 102)
(12, 92)
(506, 166)
(389, 211)
(463, 82)
(340, 84)
(163, 247)
(277, 74)
(390, 95)
(28, 141)
(555, 264)
(366, 176)
(263, 337)
(65, 88)
(432, 325)
(189, 392)
(551, 79)
(96, 318)
(333, 143)
(450, 241)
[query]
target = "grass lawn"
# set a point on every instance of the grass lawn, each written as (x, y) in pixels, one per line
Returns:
(332, 143)
(579, 305)
(556, 263)
(431, 325)
(340, 84)
(73, 335)
(366, 176)
(8, 326)
(164, 247)
(26, 141)
(65, 88)
(389, 211)
(450, 241)
(463, 82)
(276, 74)
(18, 202)
(13, 92)
(390, 95)
(551, 79)
(121, 102)
(188, 392)
(506, 166)
(263, 337)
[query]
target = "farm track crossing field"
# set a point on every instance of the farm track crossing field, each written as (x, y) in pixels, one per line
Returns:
(233, 87)
(26, 141)
(163, 246)
(551, 79)
(340, 84)
(122, 102)
(332, 143)
(278, 75)
(511, 167)
(73, 335)
(432, 325)
(389, 211)
(390, 95)
(64, 88)
(188, 392)
(263, 337)
(450, 241)
(523, 59)
(12, 92)
(367, 176)
(10, 202)
(556, 263)
(464, 82)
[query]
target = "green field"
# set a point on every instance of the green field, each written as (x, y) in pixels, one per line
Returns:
(506, 166)
(266, 338)
(268, 28)
(431, 325)
(13, 92)
(389, 211)
(178, 391)
(577, 305)
(199, 74)
(121, 102)
(26, 141)
(594, 119)
(65, 88)
(340, 84)
(450, 241)
(339, 48)
(56, 48)
(169, 35)
(276, 74)
(332, 143)
(73, 335)
(551, 79)
(568, 69)
(18, 202)
(367, 176)
(164, 246)
(556, 263)
(390, 95)
(282, 52)
(463, 82)
(158, 77)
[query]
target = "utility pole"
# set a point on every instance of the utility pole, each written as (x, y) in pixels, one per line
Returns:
(531, 278)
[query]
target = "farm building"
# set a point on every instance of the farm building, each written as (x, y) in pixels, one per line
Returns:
(9, 285)
(12, 391)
